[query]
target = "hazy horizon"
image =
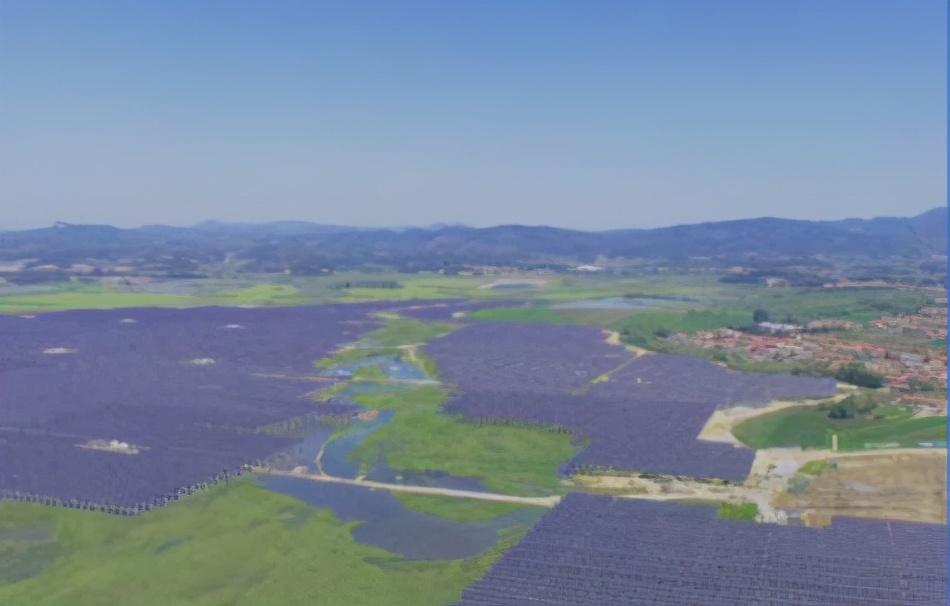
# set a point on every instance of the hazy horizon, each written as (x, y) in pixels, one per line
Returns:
(448, 224)
(588, 116)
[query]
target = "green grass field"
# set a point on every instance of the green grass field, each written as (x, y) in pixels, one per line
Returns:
(237, 546)
(810, 427)
(547, 315)
(510, 459)
(311, 290)
(398, 332)
(261, 294)
(345, 356)
(746, 512)
(88, 298)
(642, 327)
(804, 305)
(556, 287)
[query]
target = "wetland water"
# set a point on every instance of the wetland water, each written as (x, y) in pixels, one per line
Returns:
(337, 452)
(390, 365)
(385, 522)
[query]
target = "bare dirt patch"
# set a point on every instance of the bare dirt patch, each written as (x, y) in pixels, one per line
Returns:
(904, 485)
(658, 488)
(613, 338)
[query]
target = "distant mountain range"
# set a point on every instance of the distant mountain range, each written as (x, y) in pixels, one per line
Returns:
(303, 247)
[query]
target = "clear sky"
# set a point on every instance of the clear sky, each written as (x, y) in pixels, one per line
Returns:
(579, 114)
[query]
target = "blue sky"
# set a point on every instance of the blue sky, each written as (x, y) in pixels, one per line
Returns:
(589, 115)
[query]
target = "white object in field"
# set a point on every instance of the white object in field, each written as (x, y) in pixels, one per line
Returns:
(58, 351)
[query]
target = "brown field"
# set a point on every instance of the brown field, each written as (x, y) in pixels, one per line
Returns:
(899, 486)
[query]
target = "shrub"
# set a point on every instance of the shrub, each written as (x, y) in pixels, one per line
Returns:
(858, 374)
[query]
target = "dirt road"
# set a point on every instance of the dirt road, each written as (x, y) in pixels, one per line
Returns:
(431, 490)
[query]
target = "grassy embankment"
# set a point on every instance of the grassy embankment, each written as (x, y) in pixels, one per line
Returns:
(404, 332)
(237, 545)
(811, 427)
(397, 336)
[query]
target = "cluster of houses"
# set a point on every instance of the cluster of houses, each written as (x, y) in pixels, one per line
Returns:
(918, 374)
(929, 323)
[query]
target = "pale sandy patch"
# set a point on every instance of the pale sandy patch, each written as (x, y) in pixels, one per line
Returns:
(721, 423)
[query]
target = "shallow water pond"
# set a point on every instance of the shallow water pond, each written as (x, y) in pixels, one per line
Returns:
(387, 523)
(336, 454)
(304, 452)
(391, 366)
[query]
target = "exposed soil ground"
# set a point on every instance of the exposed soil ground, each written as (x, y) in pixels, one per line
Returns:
(899, 484)
(613, 338)
(673, 489)
(906, 485)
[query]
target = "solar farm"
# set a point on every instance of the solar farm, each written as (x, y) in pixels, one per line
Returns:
(639, 413)
(125, 410)
(145, 412)
(601, 550)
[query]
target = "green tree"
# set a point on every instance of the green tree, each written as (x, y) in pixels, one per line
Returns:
(858, 374)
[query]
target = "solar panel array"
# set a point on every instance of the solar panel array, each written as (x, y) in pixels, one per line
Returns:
(640, 413)
(596, 550)
(190, 389)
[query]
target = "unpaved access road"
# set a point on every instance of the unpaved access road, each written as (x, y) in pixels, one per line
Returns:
(431, 490)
